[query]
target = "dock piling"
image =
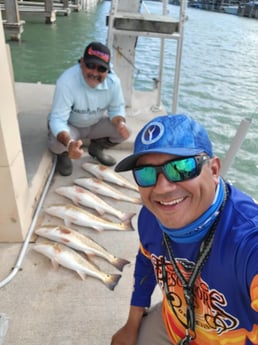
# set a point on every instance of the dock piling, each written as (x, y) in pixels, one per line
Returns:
(12, 24)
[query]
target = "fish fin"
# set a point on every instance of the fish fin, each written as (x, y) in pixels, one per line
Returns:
(127, 216)
(76, 201)
(55, 264)
(67, 222)
(129, 224)
(100, 211)
(82, 275)
(111, 280)
(137, 201)
(134, 187)
(119, 263)
(64, 240)
(89, 257)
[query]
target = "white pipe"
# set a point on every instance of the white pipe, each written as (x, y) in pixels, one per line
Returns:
(145, 7)
(30, 231)
(161, 59)
(112, 13)
(178, 56)
(235, 145)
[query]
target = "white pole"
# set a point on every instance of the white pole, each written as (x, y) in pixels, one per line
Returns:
(235, 145)
(162, 50)
(182, 19)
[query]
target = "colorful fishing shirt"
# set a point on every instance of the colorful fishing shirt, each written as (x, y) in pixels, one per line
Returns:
(225, 291)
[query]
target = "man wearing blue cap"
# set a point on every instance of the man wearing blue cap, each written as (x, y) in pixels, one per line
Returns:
(88, 104)
(198, 242)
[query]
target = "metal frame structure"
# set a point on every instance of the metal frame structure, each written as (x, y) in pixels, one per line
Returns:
(163, 22)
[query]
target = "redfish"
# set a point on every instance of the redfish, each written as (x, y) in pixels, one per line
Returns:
(69, 258)
(80, 242)
(86, 198)
(107, 174)
(100, 187)
(76, 215)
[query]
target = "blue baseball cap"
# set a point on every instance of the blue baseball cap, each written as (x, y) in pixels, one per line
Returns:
(177, 135)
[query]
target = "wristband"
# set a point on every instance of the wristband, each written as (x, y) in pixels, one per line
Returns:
(68, 144)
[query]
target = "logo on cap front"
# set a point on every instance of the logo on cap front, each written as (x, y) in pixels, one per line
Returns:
(152, 133)
(101, 55)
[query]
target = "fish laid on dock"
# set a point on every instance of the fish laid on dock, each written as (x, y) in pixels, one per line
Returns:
(80, 242)
(86, 198)
(69, 258)
(76, 215)
(107, 174)
(100, 187)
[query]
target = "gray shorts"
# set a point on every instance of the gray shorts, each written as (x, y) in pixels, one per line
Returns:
(153, 330)
(103, 129)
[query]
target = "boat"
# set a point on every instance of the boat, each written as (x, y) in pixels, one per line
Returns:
(231, 9)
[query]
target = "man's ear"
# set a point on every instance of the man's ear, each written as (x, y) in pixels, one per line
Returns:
(215, 166)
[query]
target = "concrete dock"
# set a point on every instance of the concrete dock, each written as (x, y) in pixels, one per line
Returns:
(45, 306)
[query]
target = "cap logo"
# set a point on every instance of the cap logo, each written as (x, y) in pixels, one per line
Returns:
(152, 133)
(100, 55)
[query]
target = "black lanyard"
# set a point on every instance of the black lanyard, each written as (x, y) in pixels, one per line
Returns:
(188, 286)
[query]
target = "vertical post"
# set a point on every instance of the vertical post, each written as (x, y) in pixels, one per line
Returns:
(13, 179)
(162, 50)
(66, 4)
(112, 13)
(50, 13)
(178, 56)
(13, 25)
(123, 50)
(235, 145)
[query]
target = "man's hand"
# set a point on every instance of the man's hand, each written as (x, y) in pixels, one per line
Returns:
(74, 149)
(119, 123)
(123, 130)
(127, 335)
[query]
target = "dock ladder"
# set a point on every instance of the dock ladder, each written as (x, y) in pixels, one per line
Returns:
(125, 24)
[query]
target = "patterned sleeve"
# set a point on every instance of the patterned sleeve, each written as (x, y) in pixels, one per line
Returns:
(254, 293)
(144, 275)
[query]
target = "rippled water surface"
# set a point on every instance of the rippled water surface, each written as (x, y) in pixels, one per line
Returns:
(218, 80)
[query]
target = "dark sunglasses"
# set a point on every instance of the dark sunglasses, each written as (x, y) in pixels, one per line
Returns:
(176, 170)
(99, 68)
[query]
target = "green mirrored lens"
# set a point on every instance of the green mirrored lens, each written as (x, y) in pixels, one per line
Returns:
(145, 176)
(176, 170)
(180, 170)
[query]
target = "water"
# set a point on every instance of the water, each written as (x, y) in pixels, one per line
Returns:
(218, 80)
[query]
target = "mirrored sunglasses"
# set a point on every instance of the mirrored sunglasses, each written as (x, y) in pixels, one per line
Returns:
(99, 68)
(176, 170)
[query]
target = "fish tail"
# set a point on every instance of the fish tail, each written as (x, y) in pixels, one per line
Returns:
(127, 216)
(135, 188)
(129, 224)
(119, 263)
(136, 201)
(100, 211)
(111, 280)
